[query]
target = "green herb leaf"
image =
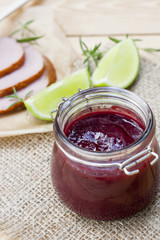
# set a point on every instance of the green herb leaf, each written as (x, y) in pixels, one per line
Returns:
(28, 95)
(114, 39)
(14, 32)
(151, 49)
(28, 22)
(29, 39)
(11, 96)
(13, 104)
(14, 96)
(91, 55)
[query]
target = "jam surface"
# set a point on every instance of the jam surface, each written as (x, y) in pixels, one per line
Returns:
(103, 131)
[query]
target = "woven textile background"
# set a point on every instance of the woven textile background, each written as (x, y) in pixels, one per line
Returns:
(29, 206)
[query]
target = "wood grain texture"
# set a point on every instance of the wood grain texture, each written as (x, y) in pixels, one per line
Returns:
(103, 17)
(146, 42)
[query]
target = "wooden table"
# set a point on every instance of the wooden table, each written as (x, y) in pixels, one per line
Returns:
(95, 20)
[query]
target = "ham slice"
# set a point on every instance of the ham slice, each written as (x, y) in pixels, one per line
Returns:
(48, 77)
(11, 55)
(31, 69)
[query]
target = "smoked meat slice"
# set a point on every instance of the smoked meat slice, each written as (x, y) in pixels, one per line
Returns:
(48, 77)
(31, 69)
(11, 55)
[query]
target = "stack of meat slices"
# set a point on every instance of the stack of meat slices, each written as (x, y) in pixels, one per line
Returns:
(22, 67)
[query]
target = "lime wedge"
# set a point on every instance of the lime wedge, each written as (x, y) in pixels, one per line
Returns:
(42, 103)
(119, 67)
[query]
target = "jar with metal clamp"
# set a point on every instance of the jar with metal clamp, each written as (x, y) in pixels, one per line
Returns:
(108, 184)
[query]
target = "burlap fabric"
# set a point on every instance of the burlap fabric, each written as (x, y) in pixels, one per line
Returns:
(29, 206)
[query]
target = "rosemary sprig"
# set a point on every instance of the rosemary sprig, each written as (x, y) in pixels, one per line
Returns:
(91, 54)
(15, 95)
(27, 34)
(19, 99)
(144, 49)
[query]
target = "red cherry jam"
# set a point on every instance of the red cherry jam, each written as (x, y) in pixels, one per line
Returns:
(104, 131)
(91, 145)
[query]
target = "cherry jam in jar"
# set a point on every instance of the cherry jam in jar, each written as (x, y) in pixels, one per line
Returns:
(104, 162)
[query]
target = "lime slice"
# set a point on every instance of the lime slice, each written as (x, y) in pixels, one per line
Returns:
(42, 103)
(119, 67)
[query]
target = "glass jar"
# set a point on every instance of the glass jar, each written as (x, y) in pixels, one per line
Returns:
(105, 185)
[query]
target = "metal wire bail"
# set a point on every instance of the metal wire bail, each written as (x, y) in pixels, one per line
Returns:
(131, 162)
(52, 113)
(64, 99)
